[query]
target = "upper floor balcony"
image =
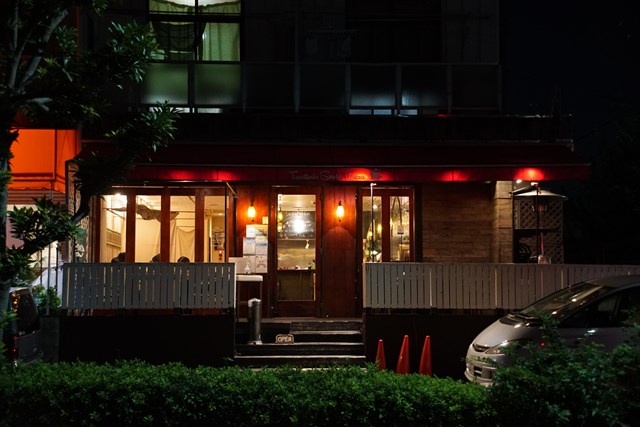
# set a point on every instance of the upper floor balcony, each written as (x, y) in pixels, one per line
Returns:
(338, 88)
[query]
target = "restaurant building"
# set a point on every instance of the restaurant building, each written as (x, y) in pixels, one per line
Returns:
(318, 135)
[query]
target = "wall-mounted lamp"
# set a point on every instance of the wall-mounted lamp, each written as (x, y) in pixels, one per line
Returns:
(251, 212)
(340, 211)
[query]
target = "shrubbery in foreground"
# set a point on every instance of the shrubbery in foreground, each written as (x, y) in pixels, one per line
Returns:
(135, 393)
(553, 386)
(560, 385)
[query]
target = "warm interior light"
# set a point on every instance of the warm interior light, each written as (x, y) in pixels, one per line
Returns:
(299, 226)
(340, 211)
(251, 212)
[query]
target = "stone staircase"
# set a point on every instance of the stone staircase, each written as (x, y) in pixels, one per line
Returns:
(302, 343)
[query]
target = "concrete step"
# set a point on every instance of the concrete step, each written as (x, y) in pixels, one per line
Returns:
(326, 325)
(327, 336)
(308, 361)
(316, 343)
(307, 349)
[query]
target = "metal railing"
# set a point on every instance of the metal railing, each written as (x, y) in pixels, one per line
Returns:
(473, 286)
(148, 286)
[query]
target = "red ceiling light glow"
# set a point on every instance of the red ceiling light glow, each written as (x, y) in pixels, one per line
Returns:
(529, 174)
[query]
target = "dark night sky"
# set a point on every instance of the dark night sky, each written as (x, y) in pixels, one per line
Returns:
(576, 57)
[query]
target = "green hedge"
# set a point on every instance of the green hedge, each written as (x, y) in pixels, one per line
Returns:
(135, 393)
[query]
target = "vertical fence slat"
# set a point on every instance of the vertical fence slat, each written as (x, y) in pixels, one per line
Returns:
(471, 286)
(386, 285)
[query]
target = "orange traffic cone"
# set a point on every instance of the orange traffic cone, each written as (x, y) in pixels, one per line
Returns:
(382, 363)
(425, 360)
(403, 359)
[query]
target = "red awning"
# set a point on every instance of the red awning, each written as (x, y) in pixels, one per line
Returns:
(304, 163)
(40, 156)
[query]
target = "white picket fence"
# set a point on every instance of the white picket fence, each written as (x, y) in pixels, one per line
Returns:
(472, 286)
(148, 286)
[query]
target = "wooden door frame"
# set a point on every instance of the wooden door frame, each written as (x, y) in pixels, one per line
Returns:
(296, 308)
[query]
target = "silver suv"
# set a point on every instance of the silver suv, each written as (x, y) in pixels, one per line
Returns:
(23, 336)
(599, 310)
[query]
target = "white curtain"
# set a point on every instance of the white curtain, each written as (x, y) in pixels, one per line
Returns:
(220, 41)
(182, 242)
(147, 239)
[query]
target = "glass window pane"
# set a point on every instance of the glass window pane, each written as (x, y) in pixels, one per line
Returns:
(175, 8)
(221, 42)
(424, 86)
(182, 231)
(296, 246)
(475, 86)
(217, 84)
(147, 236)
(113, 228)
(400, 229)
(373, 86)
(214, 229)
(372, 228)
(178, 40)
(217, 7)
(270, 85)
(166, 82)
(331, 93)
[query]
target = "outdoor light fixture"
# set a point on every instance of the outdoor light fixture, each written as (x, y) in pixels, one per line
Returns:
(251, 212)
(340, 211)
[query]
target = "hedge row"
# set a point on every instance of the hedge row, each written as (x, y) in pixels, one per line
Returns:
(135, 393)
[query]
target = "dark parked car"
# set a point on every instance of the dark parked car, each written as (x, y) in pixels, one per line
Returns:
(23, 336)
(600, 310)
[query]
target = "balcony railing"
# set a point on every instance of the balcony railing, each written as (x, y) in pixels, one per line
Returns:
(473, 286)
(356, 88)
(114, 286)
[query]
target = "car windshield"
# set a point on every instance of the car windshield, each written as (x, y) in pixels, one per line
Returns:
(563, 302)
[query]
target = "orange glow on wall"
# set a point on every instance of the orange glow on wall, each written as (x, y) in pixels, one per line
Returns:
(40, 156)
(529, 174)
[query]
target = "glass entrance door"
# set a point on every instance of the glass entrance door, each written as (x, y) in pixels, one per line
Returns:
(296, 278)
(387, 224)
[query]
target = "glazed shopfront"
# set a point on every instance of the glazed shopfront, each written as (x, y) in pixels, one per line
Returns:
(306, 237)
(305, 217)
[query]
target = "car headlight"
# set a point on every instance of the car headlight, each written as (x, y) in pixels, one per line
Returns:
(500, 348)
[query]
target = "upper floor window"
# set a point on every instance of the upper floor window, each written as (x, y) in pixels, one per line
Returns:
(201, 30)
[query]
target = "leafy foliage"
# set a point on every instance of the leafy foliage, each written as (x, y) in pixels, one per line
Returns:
(5, 318)
(135, 393)
(47, 299)
(46, 78)
(557, 385)
(37, 228)
(99, 171)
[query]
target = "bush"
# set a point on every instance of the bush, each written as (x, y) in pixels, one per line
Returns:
(47, 298)
(557, 385)
(136, 393)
